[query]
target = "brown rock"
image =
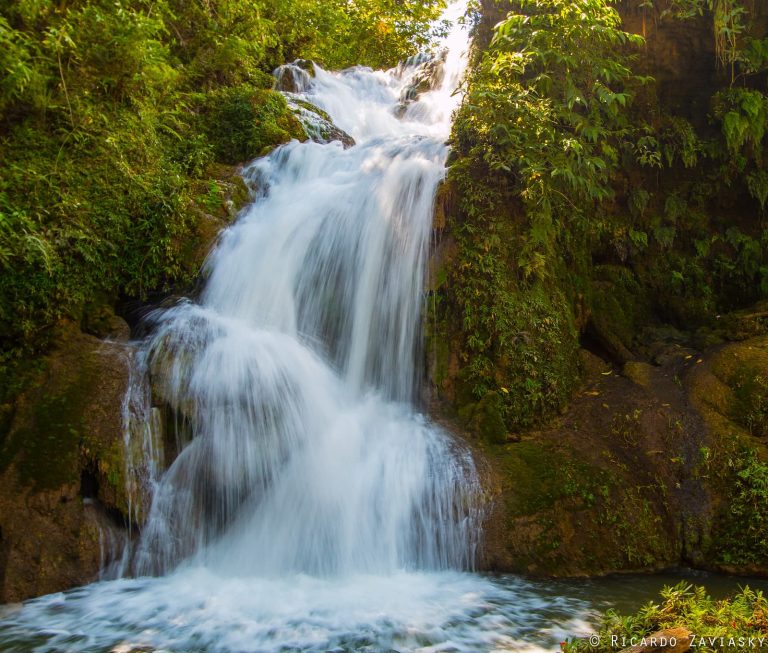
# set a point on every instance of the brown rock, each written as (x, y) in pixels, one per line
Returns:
(61, 468)
(639, 373)
(592, 364)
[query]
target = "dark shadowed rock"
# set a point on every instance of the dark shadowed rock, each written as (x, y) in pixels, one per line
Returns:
(61, 469)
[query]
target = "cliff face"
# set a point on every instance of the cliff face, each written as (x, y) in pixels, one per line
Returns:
(679, 55)
(606, 405)
(62, 465)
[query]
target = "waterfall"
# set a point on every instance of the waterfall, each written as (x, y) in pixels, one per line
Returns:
(297, 371)
(311, 507)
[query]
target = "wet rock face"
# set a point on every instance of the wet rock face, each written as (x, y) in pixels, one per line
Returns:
(428, 76)
(680, 55)
(729, 388)
(595, 491)
(294, 77)
(61, 470)
(317, 123)
(684, 82)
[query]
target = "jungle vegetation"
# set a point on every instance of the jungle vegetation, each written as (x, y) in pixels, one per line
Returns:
(588, 203)
(729, 624)
(113, 114)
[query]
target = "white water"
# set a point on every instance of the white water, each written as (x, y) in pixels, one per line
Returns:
(312, 508)
(296, 372)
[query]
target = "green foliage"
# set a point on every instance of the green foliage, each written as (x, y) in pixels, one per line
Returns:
(744, 116)
(740, 532)
(548, 106)
(750, 407)
(519, 340)
(563, 178)
(242, 122)
(376, 33)
(744, 615)
(542, 130)
(112, 114)
(680, 143)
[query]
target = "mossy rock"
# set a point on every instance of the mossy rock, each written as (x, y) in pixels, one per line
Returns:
(312, 107)
(317, 124)
(639, 373)
(243, 122)
(749, 408)
(72, 417)
(618, 308)
(739, 544)
(62, 464)
(747, 323)
(531, 360)
(484, 418)
(217, 200)
(560, 514)
(731, 385)
(730, 390)
(99, 320)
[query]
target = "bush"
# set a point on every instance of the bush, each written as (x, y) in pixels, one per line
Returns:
(744, 615)
(243, 122)
(741, 528)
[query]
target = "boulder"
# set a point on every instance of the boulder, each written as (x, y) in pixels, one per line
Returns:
(294, 77)
(62, 461)
(427, 76)
(639, 373)
(317, 123)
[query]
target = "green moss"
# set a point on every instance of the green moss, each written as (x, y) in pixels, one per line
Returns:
(639, 373)
(514, 338)
(634, 510)
(313, 108)
(739, 533)
(243, 122)
(750, 398)
(485, 418)
(538, 475)
(619, 308)
(47, 447)
(567, 514)
(437, 340)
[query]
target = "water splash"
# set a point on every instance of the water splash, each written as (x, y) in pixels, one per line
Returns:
(199, 611)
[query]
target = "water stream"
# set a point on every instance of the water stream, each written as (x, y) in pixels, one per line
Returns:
(296, 371)
(312, 507)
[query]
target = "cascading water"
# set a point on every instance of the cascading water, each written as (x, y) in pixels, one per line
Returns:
(311, 508)
(297, 370)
